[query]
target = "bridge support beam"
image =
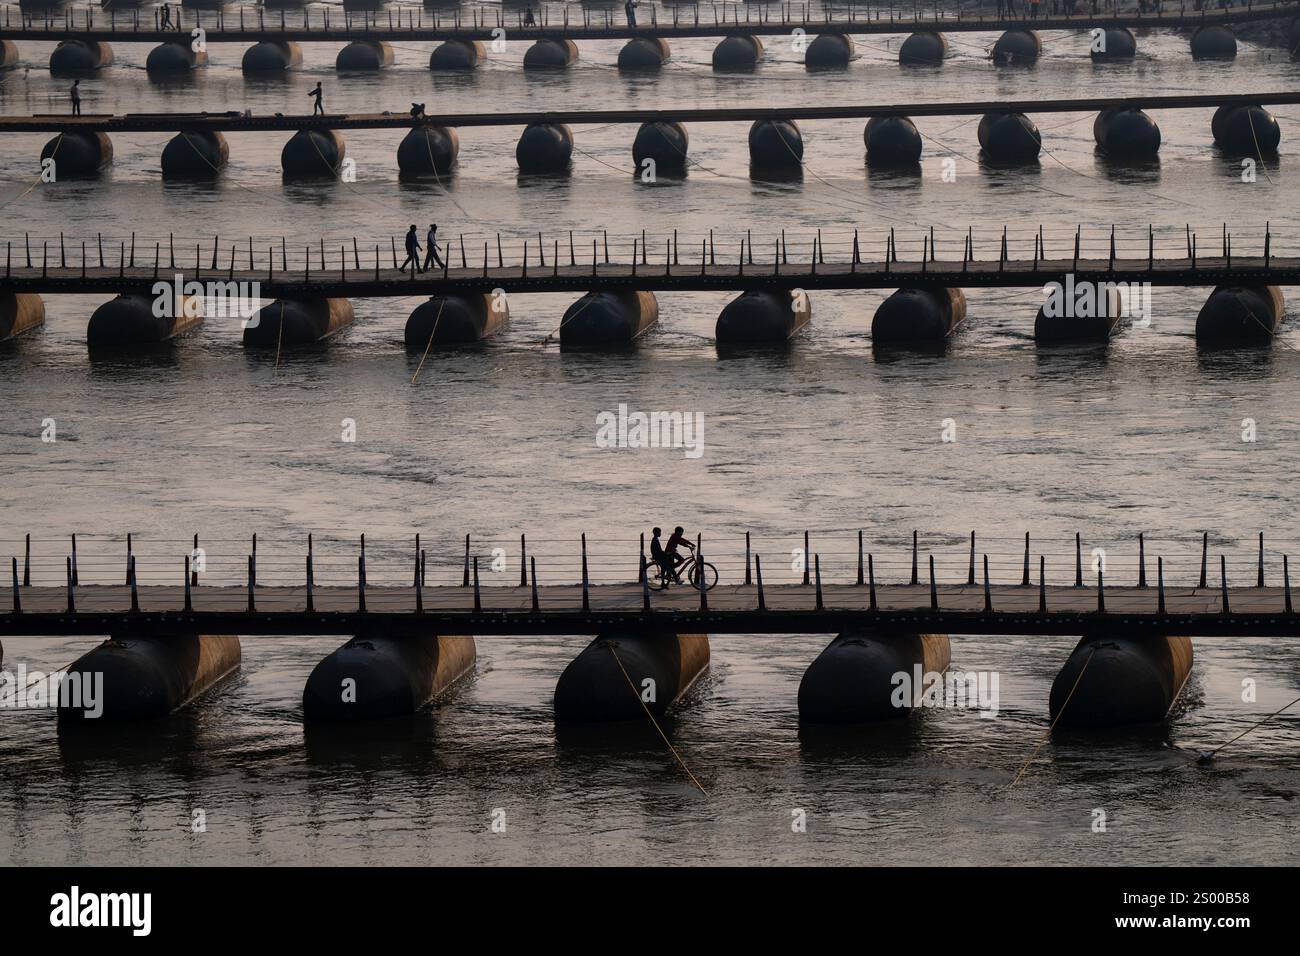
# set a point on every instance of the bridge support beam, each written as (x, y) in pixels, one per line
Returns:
(892, 142)
(146, 678)
(545, 148)
(1214, 43)
(1084, 312)
(830, 51)
(364, 56)
(1246, 131)
(548, 54)
(271, 57)
(1113, 43)
(174, 58)
(1127, 681)
(313, 153)
(448, 321)
(1126, 134)
(1240, 315)
(79, 57)
(78, 153)
(775, 146)
(763, 317)
(919, 315)
(923, 49)
(661, 665)
(134, 321)
(198, 154)
(427, 151)
(1017, 48)
(8, 54)
(665, 144)
(853, 680)
(644, 54)
(608, 320)
(20, 312)
(296, 322)
(459, 56)
(1009, 138)
(738, 53)
(376, 676)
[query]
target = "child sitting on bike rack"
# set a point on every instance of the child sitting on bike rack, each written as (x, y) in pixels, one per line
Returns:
(660, 557)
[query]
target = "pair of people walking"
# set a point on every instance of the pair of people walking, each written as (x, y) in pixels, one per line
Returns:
(431, 255)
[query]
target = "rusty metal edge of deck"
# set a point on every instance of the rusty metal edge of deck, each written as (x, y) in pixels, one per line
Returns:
(868, 275)
(226, 122)
(526, 623)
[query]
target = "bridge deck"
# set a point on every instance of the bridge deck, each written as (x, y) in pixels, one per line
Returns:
(228, 27)
(234, 121)
(654, 276)
(790, 608)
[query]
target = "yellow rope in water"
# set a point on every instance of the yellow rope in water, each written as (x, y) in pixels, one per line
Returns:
(637, 694)
(280, 335)
(563, 323)
(1059, 714)
(36, 680)
(1258, 152)
(1209, 755)
(57, 143)
(432, 332)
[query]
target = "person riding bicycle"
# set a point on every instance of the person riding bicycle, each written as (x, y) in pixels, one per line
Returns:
(677, 540)
(660, 557)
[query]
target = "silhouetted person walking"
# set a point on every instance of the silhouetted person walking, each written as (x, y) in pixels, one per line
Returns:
(166, 13)
(318, 93)
(75, 94)
(431, 254)
(629, 7)
(529, 20)
(412, 251)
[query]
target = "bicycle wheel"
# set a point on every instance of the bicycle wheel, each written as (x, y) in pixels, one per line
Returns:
(654, 578)
(710, 575)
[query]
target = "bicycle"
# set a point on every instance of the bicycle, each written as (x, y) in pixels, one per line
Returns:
(657, 579)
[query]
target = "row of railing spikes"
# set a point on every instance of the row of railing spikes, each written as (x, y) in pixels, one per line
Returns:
(811, 574)
(708, 254)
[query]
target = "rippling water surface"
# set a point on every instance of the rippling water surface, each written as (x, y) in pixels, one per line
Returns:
(1145, 435)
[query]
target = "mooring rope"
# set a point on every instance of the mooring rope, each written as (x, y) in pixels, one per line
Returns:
(637, 694)
(853, 197)
(1258, 152)
(226, 177)
(57, 143)
(433, 167)
(1055, 720)
(1209, 755)
(280, 336)
(15, 694)
(563, 322)
(432, 332)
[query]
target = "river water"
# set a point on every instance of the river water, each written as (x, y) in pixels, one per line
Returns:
(1144, 436)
